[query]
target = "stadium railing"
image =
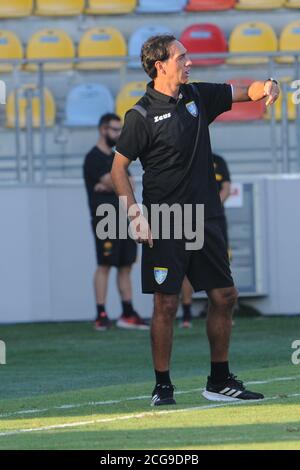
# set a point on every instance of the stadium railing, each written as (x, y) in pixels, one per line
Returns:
(34, 169)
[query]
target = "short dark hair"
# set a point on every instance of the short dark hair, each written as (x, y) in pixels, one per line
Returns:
(155, 48)
(106, 118)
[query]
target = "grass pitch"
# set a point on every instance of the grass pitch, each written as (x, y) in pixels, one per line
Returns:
(66, 386)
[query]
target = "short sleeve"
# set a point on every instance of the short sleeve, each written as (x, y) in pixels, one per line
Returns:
(217, 98)
(224, 170)
(134, 140)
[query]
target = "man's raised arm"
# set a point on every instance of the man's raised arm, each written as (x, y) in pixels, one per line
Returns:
(257, 91)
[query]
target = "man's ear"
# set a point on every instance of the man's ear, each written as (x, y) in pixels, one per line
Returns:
(159, 67)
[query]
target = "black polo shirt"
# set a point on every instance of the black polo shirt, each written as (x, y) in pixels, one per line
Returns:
(164, 138)
(221, 172)
(96, 165)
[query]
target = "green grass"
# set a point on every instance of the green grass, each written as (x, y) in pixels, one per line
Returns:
(53, 365)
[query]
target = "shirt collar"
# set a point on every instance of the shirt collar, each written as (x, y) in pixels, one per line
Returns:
(161, 96)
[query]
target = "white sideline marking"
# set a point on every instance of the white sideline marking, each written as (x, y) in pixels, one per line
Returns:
(138, 416)
(141, 397)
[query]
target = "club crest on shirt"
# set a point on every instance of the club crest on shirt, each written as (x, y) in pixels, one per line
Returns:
(160, 274)
(192, 108)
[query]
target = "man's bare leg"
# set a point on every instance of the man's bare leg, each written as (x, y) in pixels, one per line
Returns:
(186, 300)
(100, 285)
(219, 321)
(221, 385)
(165, 309)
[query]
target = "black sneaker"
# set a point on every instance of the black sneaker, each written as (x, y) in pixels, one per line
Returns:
(229, 390)
(102, 322)
(163, 395)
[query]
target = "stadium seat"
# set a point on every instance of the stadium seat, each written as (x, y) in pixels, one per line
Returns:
(160, 6)
(207, 5)
(252, 37)
(15, 8)
(292, 4)
(86, 103)
(249, 111)
(50, 44)
(201, 38)
(50, 109)
(10, 48)
(128, 96)
(137, 40)
(259, 4)
(110, 7)
(289, 41)
(59, 7)
(291, 107)
(101, 42)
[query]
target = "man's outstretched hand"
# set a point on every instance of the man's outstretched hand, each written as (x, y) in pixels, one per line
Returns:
(271, 91)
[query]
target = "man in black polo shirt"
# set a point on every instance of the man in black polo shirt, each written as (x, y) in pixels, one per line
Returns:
(110, 252)
(223, 183)
(168, 131)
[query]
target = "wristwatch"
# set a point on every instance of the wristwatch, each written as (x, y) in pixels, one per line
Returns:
(271, 80)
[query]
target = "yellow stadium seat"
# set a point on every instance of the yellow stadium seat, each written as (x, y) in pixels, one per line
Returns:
(101, 42)
(50, 44)
(289, 41)
(10, 48)
(259, 4)
(128, 96)
(252, 37)
(110, 7)
(291, 107)
(50, 108)
(292, 4)
(59, 7)
(15, 8)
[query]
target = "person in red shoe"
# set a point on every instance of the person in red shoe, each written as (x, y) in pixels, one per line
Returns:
(110, 252)
(224, 184)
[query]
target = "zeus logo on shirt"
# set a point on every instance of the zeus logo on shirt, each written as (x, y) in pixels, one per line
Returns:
(162, 117)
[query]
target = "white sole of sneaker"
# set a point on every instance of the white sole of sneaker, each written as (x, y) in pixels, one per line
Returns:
(218, 397)
(128, 326)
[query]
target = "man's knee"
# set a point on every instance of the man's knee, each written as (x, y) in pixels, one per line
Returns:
(224, 299)
(165, 305)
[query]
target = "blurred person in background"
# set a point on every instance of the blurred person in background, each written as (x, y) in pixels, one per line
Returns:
(110, 252)
(224, 185)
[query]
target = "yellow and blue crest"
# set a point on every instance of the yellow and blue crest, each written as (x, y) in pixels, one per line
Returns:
(192, 108)
(160, 274)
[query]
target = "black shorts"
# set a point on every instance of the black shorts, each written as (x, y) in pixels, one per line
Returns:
(165, 265)
(116, 253)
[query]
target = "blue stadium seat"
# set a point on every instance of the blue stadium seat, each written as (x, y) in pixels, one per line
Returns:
(161, 6)
(138, 38)
(86, 103)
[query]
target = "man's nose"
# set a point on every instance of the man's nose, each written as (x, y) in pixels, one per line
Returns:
(188, 62)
